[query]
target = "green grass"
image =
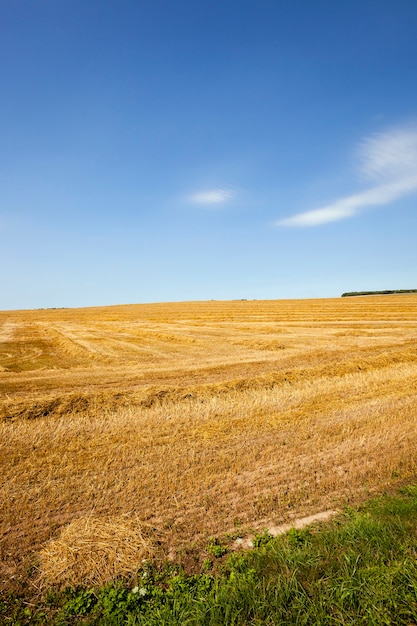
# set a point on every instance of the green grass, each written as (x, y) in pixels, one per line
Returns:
(358, 569)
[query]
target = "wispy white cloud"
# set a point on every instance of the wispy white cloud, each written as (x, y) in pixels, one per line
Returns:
(350, 206)
(219, 195)
(387, 159)
(391, 155)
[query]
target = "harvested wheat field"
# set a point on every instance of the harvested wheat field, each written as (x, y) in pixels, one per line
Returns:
(138, 432)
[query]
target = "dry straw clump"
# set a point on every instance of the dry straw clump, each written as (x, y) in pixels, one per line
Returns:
(94, 551)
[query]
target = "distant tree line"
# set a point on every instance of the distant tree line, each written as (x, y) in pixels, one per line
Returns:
(376, 293)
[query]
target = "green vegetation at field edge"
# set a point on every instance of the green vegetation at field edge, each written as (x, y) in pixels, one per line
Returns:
(377, 293)
(359, 569)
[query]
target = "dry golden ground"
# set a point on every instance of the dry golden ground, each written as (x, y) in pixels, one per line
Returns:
(130, 432)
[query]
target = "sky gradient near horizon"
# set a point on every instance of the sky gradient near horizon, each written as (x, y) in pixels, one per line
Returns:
(154, 150)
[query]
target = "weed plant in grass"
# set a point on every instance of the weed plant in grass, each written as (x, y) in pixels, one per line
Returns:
(359, 569)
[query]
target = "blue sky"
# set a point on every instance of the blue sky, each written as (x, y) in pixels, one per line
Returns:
(160, 150)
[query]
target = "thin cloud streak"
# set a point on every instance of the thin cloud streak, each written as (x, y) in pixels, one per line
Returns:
(350, 206)
(212, 196)
(390, 156)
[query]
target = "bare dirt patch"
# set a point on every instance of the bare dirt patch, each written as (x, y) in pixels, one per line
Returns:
(275, 531)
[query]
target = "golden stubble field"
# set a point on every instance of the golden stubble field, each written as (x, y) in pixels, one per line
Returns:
(134, 432)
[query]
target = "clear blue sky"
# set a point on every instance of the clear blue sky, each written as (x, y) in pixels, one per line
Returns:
(158, 150)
